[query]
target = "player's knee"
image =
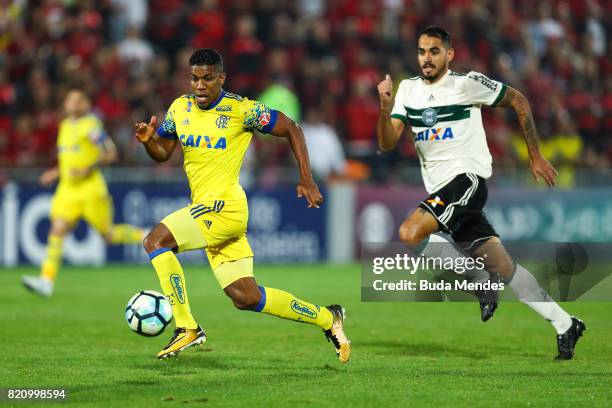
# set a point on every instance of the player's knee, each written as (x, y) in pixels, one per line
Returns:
(500, 265)
(108, 237)
(411, 235)
(151, 242)
(59, 228)
(246, 300)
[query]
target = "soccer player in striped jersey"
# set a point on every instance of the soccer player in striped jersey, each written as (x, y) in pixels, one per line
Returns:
(442, 108)
(213, 128)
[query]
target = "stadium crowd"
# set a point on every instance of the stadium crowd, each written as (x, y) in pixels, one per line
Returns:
(319, 61)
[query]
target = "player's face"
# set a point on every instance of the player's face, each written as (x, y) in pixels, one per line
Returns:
(76, 104)
(206, 83)
(433, 57)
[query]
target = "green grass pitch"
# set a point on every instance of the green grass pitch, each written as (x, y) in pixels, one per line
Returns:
(404, 354)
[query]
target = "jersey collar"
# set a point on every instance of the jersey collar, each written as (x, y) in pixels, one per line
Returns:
(440, 82)
(215, 103)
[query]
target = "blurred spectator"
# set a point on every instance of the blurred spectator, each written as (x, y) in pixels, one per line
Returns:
(125, 14)
(280, 97)
(361, 114)
(325, 150)
(135, 52)
(131, 56)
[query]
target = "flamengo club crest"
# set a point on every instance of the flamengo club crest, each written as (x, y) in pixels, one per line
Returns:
(222, 121)
(429, 117)
(264, 118)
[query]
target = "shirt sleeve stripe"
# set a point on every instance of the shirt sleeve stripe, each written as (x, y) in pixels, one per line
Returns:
(400, 117)
(166, 135)
(273, 116)
(502, 92)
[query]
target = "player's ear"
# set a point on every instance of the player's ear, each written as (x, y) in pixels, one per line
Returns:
(222, 77)
(451, 54)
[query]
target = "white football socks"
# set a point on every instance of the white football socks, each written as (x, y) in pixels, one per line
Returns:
(531, 293)
(441, 247)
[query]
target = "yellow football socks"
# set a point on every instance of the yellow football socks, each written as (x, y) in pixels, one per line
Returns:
(172, 280)
(53, 260)
(126, 234)
(282, 304)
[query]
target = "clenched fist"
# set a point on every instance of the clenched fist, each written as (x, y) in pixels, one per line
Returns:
(385, 93)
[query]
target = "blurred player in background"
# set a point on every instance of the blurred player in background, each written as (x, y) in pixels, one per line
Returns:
(83, 147)
(443, 109)
(214, 129)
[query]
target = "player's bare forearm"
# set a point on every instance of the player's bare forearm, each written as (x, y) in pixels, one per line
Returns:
(517, 101)
(540, 167)
(385, 131)
(49, 176)
(286, 127)
(159, 149)
(109, 153)
(388, 130)
(306, 188)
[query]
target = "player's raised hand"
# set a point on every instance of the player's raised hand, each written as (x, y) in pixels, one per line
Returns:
(144, 131)
(310, 190)
(541, 168)
(385, 92)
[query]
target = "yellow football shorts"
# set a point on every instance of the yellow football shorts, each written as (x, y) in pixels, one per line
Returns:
(90, 202)
(219, 227)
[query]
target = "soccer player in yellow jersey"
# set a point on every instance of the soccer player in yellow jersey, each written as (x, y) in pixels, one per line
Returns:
(83, 147)
(213, 128)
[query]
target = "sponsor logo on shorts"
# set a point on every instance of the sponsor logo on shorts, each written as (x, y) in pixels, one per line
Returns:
(177, 285)
(208, 223)
(302, 309)
(435, 201)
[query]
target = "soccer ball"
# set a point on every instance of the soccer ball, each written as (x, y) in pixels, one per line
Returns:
(148, 313)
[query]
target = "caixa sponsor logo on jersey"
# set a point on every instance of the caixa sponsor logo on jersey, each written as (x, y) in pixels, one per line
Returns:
(177, 285)
(434, 134)
(303, 310)
(206, 142)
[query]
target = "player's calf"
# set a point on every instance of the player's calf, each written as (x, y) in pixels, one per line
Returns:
(244, 293)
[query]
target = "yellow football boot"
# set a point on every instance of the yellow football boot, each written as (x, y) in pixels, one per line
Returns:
(336, 334)
(182, 339)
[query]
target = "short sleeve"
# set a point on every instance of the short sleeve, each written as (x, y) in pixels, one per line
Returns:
(96, 134)
(482, 90)
(399, 109)
(167, 130)
(257, 116)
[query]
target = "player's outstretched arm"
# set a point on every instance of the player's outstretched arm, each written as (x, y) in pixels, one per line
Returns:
(540, 167)
(108, 155)
(109, 152)
(388, 130)
(160, 149)
(286, 127)
(49, 176)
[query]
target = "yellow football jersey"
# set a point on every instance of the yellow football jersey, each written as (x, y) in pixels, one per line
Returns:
(214, 141)
(78, 144)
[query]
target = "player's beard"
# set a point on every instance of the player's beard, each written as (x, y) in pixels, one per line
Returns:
(434, 74)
